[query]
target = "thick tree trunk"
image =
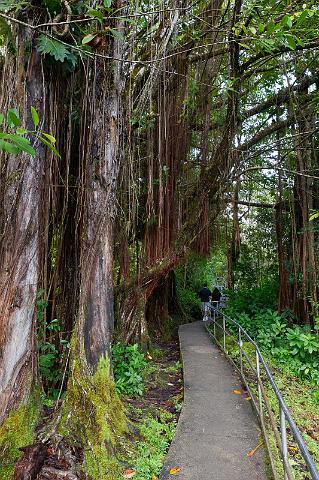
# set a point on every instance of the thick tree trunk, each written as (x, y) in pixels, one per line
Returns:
(93, 412)
(95, 318)
(163, 313)
(305, 276)
(22, 228)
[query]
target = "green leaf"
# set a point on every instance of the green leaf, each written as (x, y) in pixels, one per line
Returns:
(49, 145)
(313, 216)
(107, 3)
(1, 118)
(261, 28)
(5, 30)
(96, 14)
(116, 34)
(13, 118)
(291, 42)
(21, 131)
(35, 117)
(286, 21)
(271, 27)
(49, 46)
(8, 147)
(88, 38)
(6, 5)
(23, 144)
(49, 137)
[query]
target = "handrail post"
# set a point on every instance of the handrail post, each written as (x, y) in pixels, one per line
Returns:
(260, 398)
(214, 326)
(240, 343)
(284, 440)
(224, 329)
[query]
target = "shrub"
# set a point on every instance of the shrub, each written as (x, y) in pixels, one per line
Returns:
(128, 367)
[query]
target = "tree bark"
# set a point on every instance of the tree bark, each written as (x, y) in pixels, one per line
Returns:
(22, 230)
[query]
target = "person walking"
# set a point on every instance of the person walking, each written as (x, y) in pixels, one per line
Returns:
(204, 295)
(216, 296)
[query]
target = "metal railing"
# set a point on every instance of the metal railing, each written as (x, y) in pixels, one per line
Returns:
(260, 369)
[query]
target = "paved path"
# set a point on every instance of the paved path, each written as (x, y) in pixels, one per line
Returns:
(216, 428)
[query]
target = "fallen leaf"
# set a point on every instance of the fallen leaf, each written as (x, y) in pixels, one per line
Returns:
(292, 449)
(175, 470)
(237, 392)
(254, 450)
(247, 398)
(129, 473)
(154, 477)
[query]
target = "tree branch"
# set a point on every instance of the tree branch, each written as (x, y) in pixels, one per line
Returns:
(280, 97)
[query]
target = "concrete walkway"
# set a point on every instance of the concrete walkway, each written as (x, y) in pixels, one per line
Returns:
(216, 428)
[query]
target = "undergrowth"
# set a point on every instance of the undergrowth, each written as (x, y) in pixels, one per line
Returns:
(156, 435)
(153, 404)
(129, 369)
(294, 347)
(292, 353)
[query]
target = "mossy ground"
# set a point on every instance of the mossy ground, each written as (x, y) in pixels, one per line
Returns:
(17, 431)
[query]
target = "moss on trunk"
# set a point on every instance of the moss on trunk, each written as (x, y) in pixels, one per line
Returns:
(17, 431)
(94, 417)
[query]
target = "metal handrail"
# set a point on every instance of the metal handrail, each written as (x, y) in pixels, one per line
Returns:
(285, 415)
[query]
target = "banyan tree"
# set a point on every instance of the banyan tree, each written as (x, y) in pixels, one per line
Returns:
(158, 110)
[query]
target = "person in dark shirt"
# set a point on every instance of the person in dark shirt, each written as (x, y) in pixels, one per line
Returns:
(204, 295)
(216, 295)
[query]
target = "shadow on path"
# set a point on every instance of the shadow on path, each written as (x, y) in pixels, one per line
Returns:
(216, 428)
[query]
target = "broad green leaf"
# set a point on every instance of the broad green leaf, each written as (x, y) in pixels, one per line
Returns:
(88, 38)
(107, 3)
(23, 144)
(8, 147)
(21, 131)
(35, 117)
(13, 118)
(96, 14)
(286, 21)
(49, 137)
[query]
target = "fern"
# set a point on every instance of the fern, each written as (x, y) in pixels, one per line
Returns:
(52, 47)
(8, 5)
(56, 49)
